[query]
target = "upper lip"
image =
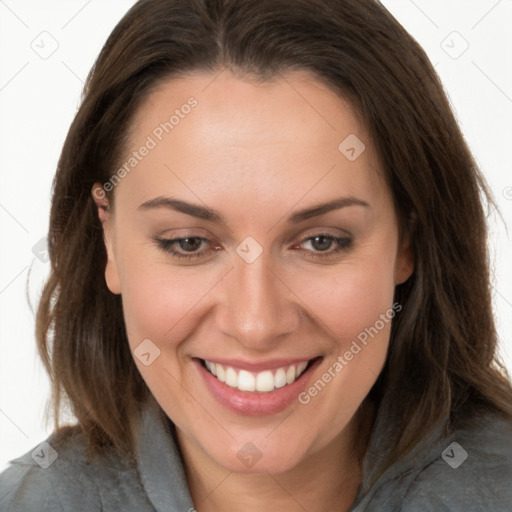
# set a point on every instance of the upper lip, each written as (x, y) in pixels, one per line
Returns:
(251, 366)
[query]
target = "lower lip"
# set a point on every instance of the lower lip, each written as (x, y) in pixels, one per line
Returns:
(254, 403)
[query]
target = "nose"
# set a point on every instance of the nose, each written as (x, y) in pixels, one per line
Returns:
(259, 309)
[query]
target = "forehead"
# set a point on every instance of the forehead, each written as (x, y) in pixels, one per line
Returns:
(211, 134)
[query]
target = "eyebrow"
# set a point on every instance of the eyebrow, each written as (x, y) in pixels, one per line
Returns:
(208, 214)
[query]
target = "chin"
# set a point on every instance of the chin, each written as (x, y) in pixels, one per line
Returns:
(260, 456)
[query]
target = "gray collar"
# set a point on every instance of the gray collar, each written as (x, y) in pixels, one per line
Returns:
(163, 476)
(159, 462)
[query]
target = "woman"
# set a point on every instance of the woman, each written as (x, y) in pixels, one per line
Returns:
(262, 227)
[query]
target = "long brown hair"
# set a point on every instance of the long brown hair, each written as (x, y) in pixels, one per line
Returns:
(442, 355)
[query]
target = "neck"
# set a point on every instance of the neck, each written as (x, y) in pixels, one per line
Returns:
(324, 481)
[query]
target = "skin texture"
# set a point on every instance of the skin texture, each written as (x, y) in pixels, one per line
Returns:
(257, 153)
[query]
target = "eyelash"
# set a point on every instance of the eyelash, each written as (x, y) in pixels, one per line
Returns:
(167, 244)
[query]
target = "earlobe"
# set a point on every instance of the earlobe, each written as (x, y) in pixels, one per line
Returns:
(112, 278)
(102, 204)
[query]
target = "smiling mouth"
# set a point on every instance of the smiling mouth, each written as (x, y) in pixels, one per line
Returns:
(265, 381)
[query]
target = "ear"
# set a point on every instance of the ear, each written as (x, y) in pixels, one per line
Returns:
(104, 214)
(405, 257)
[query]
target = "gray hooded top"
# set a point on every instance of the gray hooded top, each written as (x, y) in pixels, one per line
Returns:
(469, 471)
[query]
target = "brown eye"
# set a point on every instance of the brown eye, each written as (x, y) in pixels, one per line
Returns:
(325, 245)
(322, 243)
(190, 244)
(183, 247)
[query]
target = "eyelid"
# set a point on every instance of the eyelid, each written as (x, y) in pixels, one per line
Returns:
(166, 245)
(325, 231)
(343, 244)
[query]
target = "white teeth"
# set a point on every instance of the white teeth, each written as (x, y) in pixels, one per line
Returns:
(231, 377)
(301, 367)
(221, 373)
(263, 382)
(246, 381)
(290, 375)
(280, 378)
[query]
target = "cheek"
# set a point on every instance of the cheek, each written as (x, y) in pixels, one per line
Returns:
(356, 313)
(159, 300)
(354, 307)
(163, 305)
(349, 297)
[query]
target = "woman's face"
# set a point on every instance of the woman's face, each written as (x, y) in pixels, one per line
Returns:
(289, 257)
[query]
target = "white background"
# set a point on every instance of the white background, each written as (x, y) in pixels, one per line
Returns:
(39, 97)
